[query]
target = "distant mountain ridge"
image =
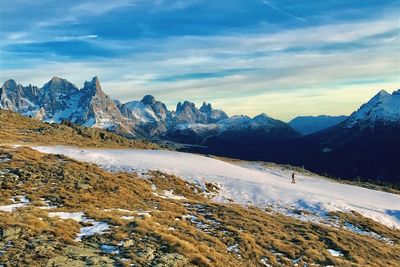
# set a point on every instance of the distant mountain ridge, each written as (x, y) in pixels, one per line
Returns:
(312, 124)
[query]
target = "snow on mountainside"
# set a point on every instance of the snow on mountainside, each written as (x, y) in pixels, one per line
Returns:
(236, 123)
(150, 115)
(187, 112)
(250, 183)
(382, 108)
(18, 98)
(100, 110)
(60, 100)
(137, 110)
(213, 115)
(312, 124)
(237, 136)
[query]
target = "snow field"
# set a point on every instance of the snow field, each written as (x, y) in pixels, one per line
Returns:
(250, 184)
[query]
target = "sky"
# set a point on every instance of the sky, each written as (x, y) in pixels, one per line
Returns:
(280, 57)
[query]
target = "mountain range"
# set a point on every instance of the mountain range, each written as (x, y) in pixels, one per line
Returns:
(363, 145)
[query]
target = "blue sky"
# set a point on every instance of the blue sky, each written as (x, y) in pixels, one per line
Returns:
(284, 58)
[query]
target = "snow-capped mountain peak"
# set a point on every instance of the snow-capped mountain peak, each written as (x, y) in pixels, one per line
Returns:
(58, 85)
(262, 117)
(382, 108)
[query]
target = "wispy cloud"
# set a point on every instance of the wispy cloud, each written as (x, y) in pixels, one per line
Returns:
(96, 7)
(74, 38)
(281, 11)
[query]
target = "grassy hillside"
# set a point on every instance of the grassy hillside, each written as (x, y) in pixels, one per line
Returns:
(17, 129)
(152, 219)
(157, 230)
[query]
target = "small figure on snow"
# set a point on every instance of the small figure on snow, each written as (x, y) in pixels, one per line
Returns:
(293, 180)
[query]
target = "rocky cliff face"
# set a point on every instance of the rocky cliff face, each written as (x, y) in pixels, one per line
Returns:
(188, 113)
(57, 100)
(212, 115)
(18, 98)
(98, 109)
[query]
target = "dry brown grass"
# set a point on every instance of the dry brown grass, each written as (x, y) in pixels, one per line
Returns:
(17, 129)
(203, 241)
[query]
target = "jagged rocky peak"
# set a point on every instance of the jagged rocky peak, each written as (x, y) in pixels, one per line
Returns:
(59, 85)
(188, 113)
(213, 115)
(148, 100)
(206, 108)
(93, 87)
(10, 84)
(186, 105)
(17, 97)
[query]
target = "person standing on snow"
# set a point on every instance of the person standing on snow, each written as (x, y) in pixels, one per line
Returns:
(293, 180)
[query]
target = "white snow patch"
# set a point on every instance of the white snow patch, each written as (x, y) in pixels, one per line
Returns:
(261, 187)
(264, 262)
(19, 201)
(76, 216)
(335, 253)
(169, 194)
(372, 234)
(95, 228)
(233, 248)
(128, 218)
(120, 210)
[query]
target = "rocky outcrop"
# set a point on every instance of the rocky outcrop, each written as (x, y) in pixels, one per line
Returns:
(18, 98)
